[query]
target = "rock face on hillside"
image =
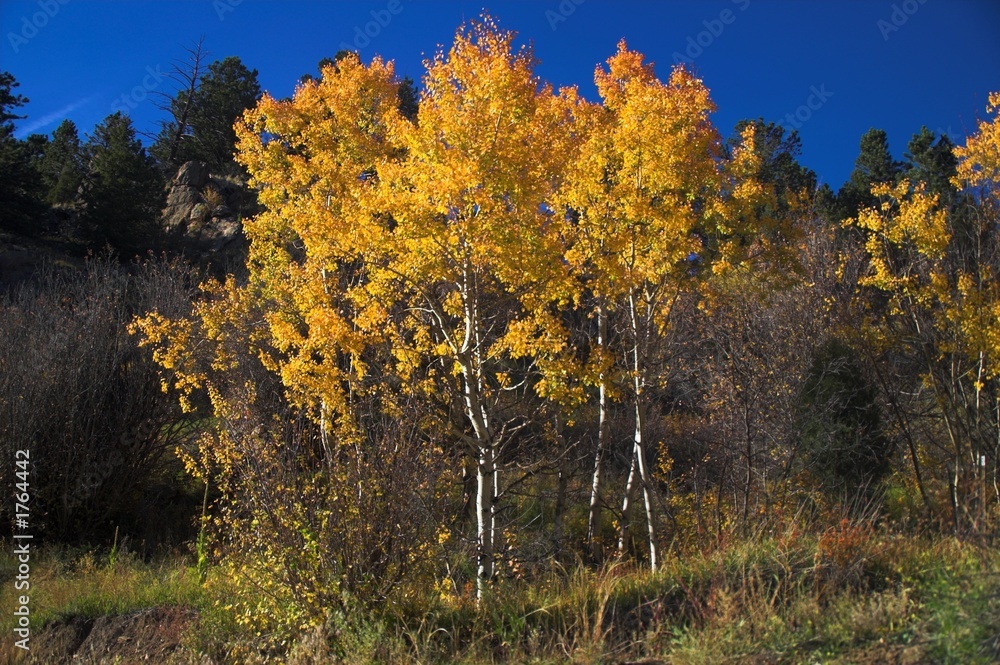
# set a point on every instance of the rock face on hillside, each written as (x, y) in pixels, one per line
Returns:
(204, 213)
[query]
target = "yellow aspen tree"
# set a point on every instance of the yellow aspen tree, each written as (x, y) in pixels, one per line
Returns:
(974, 308)
(979, 174)
(430, 238)
(311, 158)
(653, 200)
(296, 329)
(907, 245)
(428, 234)
(468, 252)
(940, 271)
(634, 226)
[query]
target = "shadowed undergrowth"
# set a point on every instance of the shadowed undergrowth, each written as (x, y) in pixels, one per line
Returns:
(825, 597)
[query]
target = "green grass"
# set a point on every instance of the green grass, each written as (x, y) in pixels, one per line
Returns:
(838, 597)
(68, 583)
(962, 609)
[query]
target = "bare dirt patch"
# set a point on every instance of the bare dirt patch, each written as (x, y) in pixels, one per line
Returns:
(148, 636)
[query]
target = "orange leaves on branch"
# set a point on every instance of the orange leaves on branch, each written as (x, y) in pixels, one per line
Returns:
(979, 289)
(979, 158)
(647, 157)
(908, 222)
(458, 241)
(917, 256)
(478, 165)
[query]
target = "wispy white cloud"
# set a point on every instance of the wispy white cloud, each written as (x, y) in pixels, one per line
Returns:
(50, 118)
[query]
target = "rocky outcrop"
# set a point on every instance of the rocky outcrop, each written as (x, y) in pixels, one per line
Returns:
(203, 215)
(192, 174)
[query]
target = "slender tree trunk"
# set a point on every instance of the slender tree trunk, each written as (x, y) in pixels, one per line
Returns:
(956, 471)
(996, 452)
(484, 517)
(486, 479)
(644, 479)
(904, 425)
(594, 515)
(191, 79)
(623, 532)
(639, 462)
(748, 452)
(487, 476)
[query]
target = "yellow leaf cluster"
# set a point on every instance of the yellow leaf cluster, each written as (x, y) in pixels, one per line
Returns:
(457, 242)
(914, 254)
(979, 158)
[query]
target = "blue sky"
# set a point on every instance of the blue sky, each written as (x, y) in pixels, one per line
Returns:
(832, 69)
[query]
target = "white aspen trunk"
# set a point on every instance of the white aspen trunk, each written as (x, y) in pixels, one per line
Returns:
(639, 446)
(494, 501)
(627, 505)
(487, 478)
(644, 479)
(996, 453)
(593, 516)
(486, 481)
(484, 517)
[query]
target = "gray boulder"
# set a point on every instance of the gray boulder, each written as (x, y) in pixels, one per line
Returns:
(192, 174)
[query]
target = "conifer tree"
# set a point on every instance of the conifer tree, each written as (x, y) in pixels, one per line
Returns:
(123, 191)
(61, 164)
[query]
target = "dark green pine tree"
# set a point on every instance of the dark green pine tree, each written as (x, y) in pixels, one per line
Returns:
(874, 165)
(225, 90)
(123, 190)
(409, 98)
(825, 205)
(931, 159)
(843, 444)
(21, 190)
(9, 101)
(61, 165)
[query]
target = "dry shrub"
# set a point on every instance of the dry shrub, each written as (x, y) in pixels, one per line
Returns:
(78, 392)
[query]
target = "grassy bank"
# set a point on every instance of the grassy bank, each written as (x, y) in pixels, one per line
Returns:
(848, 594)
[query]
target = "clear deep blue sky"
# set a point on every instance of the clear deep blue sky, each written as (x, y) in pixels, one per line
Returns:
(892, 64)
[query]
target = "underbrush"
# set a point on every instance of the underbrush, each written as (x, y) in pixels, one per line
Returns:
(847, 594)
